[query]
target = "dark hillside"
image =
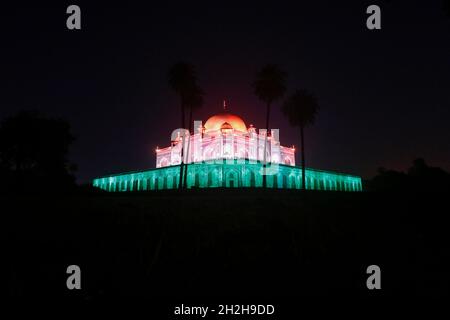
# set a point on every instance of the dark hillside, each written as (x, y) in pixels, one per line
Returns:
(227, 243)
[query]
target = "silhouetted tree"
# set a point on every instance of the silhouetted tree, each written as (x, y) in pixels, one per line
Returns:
(33, 153)
(428, 178)
(446, 7)
(419, 177)
(301, 109)
(389, 180)
(269, 86)
(194, 102)
(183, 81)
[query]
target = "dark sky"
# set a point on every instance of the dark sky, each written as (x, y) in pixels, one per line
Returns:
(384, 94)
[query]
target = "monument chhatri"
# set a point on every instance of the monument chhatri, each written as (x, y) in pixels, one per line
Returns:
(225, 152)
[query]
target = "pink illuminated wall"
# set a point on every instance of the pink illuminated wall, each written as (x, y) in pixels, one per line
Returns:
(225, 136)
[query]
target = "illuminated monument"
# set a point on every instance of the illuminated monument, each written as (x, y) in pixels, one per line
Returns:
(226, 153)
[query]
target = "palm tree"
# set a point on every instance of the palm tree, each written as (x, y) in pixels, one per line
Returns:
(269, 86)
(182, 80)
(446, 6)
(301, 109)
(194, 102)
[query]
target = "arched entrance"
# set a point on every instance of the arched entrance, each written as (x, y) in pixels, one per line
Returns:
(292, 182)
(252, 179)
(285, 182)
(232, 179)
(197, 180)
(275, 181)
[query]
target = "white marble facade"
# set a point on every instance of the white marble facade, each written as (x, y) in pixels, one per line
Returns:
(225, 136)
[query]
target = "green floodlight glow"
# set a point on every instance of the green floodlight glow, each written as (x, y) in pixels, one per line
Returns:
(229, 175)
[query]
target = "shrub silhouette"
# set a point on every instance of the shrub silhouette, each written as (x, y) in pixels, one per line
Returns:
(420, 177)
(33, 154)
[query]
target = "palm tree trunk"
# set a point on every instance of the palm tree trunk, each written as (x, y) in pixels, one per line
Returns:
(180, 183)
(265, 145)
(190, 121)
(183, 116)
(302, 142)
(267, 116)
(188, 147)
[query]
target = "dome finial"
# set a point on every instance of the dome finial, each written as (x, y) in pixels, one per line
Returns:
(225, 105)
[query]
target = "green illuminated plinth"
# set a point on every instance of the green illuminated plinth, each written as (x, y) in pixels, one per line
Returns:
(229, 174)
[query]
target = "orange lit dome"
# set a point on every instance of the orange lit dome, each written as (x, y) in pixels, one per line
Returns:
(230, 121)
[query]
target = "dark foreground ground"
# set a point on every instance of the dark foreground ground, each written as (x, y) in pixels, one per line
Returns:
(227, 243)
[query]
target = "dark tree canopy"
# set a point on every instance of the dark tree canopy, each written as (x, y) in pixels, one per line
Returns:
(419, 177)
(446, 7)
(194, 98)
(270, 83)
(33, 153)
(183, 80)
(301, 108)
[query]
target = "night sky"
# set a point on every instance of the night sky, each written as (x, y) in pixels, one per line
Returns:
(384, 94)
